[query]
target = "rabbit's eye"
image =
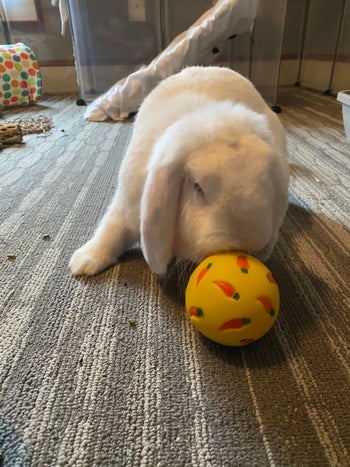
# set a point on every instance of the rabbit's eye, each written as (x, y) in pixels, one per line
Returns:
(198, 189)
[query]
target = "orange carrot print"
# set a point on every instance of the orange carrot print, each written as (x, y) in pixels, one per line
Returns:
(267, 304)
(203, 273)
(228, 289)
(247, 340)
(271, 279)
(242, 262)
(194, 311)
(235, 323)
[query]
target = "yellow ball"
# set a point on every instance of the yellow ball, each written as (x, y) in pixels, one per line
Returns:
(232, 298)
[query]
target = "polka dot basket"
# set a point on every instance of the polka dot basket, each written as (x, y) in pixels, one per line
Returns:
(20, 77)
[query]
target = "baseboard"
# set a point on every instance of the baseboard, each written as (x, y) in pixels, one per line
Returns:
(315, 74)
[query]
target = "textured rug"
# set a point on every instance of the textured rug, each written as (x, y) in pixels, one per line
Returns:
(109, 371)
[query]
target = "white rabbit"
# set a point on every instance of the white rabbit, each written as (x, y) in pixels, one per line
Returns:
(206, 171)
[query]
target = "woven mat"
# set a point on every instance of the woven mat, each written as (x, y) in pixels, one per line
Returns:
(30, 125)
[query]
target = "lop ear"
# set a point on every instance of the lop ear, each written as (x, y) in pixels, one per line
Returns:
(159, 203)
(159, 208)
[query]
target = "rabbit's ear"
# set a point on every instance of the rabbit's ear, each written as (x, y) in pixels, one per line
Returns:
(160, 198)
(159, 208)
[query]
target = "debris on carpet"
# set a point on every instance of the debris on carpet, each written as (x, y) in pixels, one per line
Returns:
(13, 131)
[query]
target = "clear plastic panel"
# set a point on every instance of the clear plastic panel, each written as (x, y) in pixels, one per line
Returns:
(42, 33)
(179, 15)
(240, 54)
(112, 41)
(341, 77)
(257, 58)
(322, 28)
(5, 36)
(266, 47)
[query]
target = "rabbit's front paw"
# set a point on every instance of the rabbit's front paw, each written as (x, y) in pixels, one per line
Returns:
(89, 260)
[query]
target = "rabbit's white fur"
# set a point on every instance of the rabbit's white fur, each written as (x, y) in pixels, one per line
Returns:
(206, 171)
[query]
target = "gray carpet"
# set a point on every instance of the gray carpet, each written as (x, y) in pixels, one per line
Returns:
(109, 371)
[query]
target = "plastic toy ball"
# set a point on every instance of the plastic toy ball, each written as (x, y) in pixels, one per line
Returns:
(232, 298)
